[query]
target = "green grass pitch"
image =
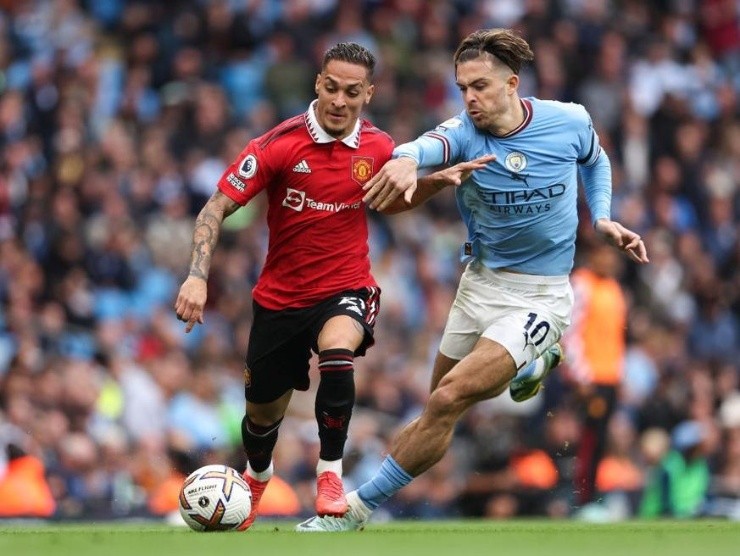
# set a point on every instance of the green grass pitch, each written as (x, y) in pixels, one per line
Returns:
(403, 538)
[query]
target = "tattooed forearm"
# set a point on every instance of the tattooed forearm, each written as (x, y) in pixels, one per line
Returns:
(206, 233)
(205, 237)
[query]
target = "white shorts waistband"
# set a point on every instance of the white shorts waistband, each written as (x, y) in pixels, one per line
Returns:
(515, 279)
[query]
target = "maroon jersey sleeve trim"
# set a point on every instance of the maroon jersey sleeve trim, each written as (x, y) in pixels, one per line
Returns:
(368, 127)
(281, 129)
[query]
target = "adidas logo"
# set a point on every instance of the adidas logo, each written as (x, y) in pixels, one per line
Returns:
(302, 167)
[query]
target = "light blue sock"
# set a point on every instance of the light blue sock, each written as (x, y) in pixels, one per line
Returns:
(527, 372)
(389, 479)
(534, 371)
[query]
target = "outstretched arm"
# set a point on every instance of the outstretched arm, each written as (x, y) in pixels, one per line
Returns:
(397, 177)
(598, 188)
(191, 299)
(430, 185)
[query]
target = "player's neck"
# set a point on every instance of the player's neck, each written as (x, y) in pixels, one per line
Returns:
(509, 120)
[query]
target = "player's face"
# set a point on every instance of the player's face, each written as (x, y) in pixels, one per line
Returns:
(487, 88)
(343, 89)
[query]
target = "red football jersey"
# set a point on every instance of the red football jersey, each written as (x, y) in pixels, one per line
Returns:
(316, 217)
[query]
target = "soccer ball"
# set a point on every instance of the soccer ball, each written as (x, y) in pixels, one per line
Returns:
(215, 498)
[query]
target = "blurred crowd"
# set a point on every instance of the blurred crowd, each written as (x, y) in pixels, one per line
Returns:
(117, 117)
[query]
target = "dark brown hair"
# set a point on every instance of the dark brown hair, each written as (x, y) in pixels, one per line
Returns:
(353, 53)
(503, 44)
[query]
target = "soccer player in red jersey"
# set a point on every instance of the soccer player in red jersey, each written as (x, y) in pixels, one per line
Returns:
(315, 292)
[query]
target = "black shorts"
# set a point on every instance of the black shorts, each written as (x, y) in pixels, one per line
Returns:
(280, 342)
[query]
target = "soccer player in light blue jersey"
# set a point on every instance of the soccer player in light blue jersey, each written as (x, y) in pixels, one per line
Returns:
(515, 162)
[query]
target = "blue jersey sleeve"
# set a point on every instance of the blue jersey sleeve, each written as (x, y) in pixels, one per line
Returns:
(597, 185)
(588, 141)
(593, 165)
(442, 145)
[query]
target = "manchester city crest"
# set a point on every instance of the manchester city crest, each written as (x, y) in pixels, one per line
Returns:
(515, 162)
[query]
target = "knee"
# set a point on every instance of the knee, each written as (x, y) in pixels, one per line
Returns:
(264, 416)
(332, 341)
(338, 339)
(340, 332)
(446, 401)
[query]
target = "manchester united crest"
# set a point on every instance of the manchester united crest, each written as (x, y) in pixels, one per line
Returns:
(362, 169)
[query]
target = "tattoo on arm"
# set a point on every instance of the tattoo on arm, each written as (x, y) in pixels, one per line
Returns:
(205, 237)
(206, 233)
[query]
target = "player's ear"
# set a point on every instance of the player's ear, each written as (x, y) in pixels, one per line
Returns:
(318, 82)
(513, 82)
(369, 93)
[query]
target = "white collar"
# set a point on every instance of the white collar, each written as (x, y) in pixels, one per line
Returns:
(320, 136)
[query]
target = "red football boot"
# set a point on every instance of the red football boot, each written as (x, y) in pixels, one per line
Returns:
(258, 489)
(330, 498)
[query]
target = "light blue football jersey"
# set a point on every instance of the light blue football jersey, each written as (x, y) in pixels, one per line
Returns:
(521, 210)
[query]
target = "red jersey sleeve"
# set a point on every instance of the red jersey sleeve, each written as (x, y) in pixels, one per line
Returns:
(249, 174)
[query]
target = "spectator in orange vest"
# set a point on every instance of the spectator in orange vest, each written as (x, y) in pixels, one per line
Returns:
(594, 347)
(24, 491)
(279, 499)
(620, 471)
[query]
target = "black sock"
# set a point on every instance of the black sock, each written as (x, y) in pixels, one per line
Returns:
(259, 442)
(334, 401)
